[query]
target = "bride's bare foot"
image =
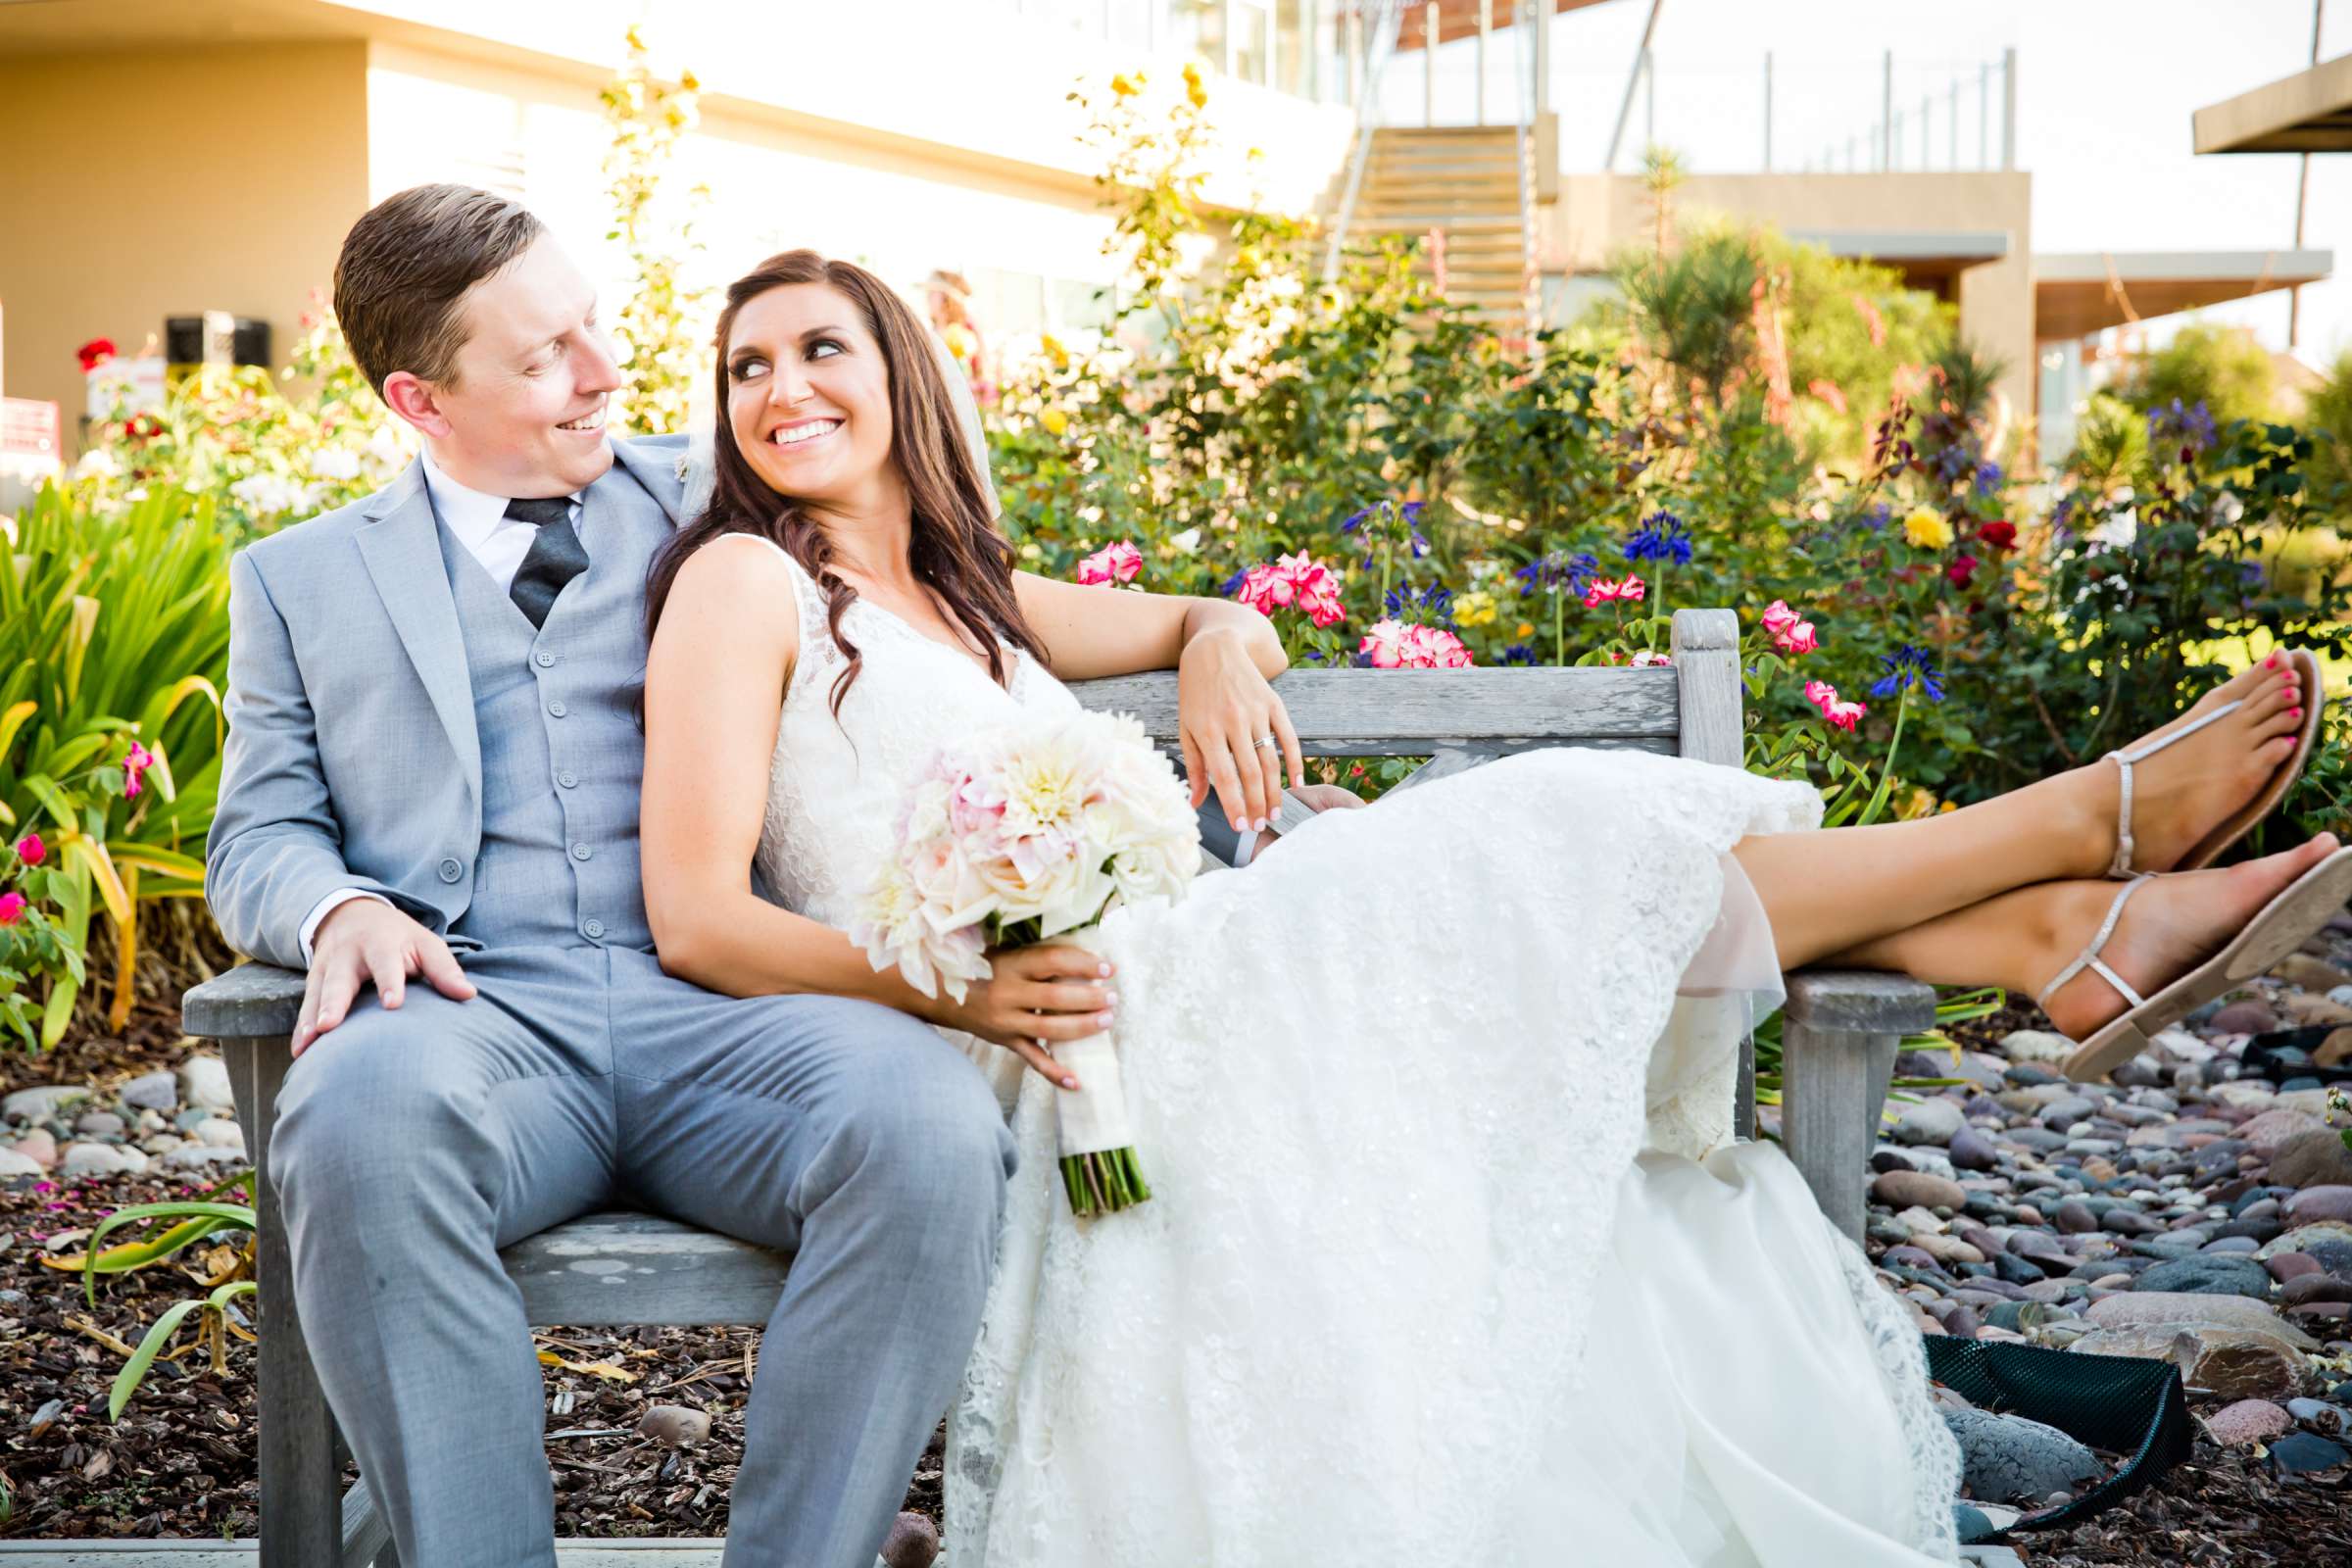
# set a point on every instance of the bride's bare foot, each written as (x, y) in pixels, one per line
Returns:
(2185, 791)
(2167, 927)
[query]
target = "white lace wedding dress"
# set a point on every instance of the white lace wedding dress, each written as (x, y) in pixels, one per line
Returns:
(1449, 1262)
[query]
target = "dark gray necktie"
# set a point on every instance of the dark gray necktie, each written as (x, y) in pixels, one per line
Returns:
(555, 555)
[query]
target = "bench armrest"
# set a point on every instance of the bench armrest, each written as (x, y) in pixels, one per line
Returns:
(1870, 1001)
(251, 1001)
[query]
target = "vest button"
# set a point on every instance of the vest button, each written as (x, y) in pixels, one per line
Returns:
(593, 930)
(581, 852)
(557, 707)
(569, 779)
(543, 661)
(452, 869)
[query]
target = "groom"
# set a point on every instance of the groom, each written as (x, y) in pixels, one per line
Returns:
(431, 791)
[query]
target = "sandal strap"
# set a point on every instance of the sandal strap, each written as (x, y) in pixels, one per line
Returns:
(2089, 958)
(2121, 865)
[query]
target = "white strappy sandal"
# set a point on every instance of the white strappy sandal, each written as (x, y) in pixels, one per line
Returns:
(2277, 929)
(2208, 849)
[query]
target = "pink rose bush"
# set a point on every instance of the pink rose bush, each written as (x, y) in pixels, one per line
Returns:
(1023, 833)
(1842, 715)
(1112, 564)
(1607, 591)
(1398, 644)
(1296, 581)
(1789, 633)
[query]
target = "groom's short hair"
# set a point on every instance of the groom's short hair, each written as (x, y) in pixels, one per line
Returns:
(405, 269)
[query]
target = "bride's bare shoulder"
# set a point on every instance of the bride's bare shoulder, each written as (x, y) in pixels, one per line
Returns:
(735, 590)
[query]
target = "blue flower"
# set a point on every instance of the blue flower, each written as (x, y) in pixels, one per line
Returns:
(1356, 520)
(1433, 605)
(1518, 653)
(1908, 665)
(1233, 584)
(1551, 570)
(1878, 517)
(2192, 427)
(1660, 535)
(1988, 477)
(2250, 570)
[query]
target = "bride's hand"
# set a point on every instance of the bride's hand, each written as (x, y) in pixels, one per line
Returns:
(1223, 708)
(1035, 996)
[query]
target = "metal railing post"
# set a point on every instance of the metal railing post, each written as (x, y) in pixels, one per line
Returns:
(2009, 108)
(1886, 113)
(1431, 32)
(1486, 30)
(1768, 110)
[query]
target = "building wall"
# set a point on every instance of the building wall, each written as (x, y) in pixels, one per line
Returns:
(1598, 212)
(136, 186)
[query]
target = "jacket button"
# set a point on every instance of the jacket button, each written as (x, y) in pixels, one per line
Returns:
(581, 852)
(594, 929)
(543, 661)
(568, 778)
(451, 870)
(557, 707)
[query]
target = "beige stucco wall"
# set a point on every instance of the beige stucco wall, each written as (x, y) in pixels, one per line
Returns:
(138, 186)
(1597, 212)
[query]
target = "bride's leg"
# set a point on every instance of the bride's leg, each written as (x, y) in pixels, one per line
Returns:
(1827, 891)
(2022, 938)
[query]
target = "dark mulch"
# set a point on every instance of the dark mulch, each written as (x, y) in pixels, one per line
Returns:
(2223, 1508)
(180, 1462)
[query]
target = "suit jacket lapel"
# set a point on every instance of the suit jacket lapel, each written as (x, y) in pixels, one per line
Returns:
(402, 549)
(656, 471)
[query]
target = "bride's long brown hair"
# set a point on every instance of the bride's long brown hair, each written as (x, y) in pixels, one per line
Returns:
(955, 549)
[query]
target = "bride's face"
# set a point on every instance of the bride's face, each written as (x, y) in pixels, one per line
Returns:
(809, 394)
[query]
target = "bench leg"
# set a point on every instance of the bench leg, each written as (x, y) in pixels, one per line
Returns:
(302, 1512)
(1832, 1085)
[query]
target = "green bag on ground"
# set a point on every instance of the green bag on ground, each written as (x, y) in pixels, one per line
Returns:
(2119, 1403)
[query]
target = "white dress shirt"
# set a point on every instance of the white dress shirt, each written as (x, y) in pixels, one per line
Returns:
(481, 524)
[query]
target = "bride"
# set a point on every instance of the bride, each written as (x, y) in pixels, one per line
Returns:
(1452, 1259)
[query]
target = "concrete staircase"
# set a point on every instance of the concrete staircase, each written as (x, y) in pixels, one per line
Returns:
(1466, 184)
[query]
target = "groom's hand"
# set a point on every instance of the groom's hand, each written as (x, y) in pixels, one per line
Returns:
(1316, 798)
(367, 941)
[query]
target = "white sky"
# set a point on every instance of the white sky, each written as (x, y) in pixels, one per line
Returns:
(2105, 91)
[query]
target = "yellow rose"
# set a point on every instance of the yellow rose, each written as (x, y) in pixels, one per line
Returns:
(1055, 420)
(1193, 89)
(1054, 351)
(1474, 607)
(1927, 529)
(1126, 86)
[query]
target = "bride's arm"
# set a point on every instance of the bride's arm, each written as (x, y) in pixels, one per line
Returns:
(1224, 655)
(713, 694)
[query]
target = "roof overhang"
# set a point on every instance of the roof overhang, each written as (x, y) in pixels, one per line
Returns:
(2309, 112)
(1460, 21)
(1926, 257)
(2078, 293)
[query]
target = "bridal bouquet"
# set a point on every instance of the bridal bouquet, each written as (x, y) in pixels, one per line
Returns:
(1023, 833)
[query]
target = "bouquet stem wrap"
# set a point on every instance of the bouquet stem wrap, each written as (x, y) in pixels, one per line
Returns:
(1098, 1167)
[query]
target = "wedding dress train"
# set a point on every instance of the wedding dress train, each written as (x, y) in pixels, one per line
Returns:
(1449, 1262)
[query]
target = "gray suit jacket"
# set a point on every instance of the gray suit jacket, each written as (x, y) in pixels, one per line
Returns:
(352, 759)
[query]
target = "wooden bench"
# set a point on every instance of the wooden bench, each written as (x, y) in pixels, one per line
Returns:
(1839, 1035)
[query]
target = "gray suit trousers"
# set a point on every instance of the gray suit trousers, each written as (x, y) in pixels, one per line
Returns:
(413, 1143)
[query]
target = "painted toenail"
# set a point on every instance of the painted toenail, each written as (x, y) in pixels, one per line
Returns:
(2271, 663)
(2294, 713)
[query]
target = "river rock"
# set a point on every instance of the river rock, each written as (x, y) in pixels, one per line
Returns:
(2299, 1452)
(2289, 1266)
(203, 1084)
(2266, 1132)
(154, 1090)
(2036, 1045)
(2175, 1310)
(102, 1159)
(40, 1147)
(199, 1157)
(215, 1132)
(2304, 1010)
(2235, 1363)
(2317, 1414)
(1929, 1121)
(1906, 1189)
(98, 1124)
(2076, 1217)
(2317, 1158)
(2309, 972)
(2247, 1017)
(2248, 1421)
(1972, 1150)
(2327, 1241)
(41, 1103)
(2006, 1458)
(13, 1163)
(913, 1542)
(676, 1425)
(2314, 1288)
(2332, 1202)
(1949, 1250)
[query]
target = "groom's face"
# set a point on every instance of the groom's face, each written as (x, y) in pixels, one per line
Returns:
(524, 414)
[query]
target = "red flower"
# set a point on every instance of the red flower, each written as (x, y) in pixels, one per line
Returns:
(142, 427)
(1999, 535)
(1961, 570)
(31, 850)
(12, 907)
(96, 352)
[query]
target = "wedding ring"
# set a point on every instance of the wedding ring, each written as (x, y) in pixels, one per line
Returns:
(1262, 742)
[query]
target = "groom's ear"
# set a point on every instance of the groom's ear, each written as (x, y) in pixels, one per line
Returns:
(415, 400)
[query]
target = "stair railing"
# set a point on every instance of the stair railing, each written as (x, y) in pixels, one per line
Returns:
(1525, 21)
(1377, 43)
